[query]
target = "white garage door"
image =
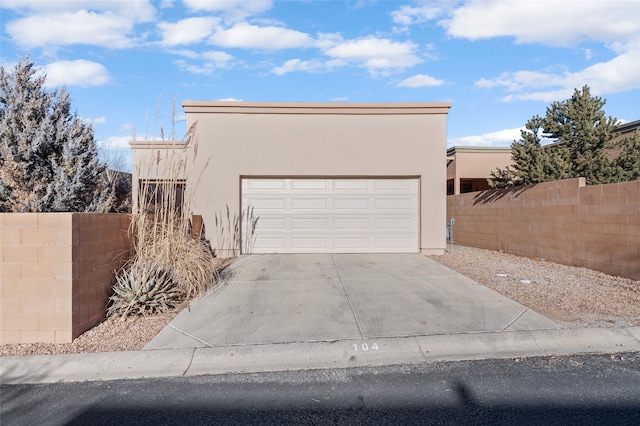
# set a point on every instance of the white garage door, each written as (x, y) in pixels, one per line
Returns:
(333, 215)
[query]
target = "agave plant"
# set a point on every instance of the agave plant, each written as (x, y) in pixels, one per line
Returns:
(143, 289)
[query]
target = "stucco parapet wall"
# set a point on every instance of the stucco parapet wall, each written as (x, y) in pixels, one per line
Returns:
(478, 149)
(158, 144)
(333, 108)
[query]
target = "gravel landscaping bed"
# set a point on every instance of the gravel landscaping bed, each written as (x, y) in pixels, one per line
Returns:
(574, 297)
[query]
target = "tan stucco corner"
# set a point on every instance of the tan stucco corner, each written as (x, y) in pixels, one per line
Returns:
(432, 251)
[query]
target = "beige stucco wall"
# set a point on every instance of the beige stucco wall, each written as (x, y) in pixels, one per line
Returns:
(237, 140)
(475, 163)
(158, 160)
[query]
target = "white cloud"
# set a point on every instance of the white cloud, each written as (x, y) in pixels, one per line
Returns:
(187, 31)
(410, 15)
(421, 80)
(191, 54)
(96, 120)
(617, 75)
(79, 72)
(499, 138)
(588, 54)
(64, 22)
(116, 143)
(519, 80)
(568, 24)
(217, 57)
(297, 65)
(564, 23)
(232, 9)
(378, 55)
(211, 61)
(138, 10)
(313, 65)
(230, 100)
(247, 36)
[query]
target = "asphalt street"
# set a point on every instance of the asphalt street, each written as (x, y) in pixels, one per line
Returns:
(562, 390)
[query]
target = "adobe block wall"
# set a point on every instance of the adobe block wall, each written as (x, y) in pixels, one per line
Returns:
(56, 273)
(610, 228)
(563, 221)
(101, 245)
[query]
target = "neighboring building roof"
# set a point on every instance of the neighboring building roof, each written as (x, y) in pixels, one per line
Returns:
(629, 127)
(454, 149)
(476, 150)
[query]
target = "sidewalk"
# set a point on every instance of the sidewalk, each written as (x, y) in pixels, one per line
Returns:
(296, 356)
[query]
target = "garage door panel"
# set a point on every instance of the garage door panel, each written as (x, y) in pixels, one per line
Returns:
(351, 204)
(259, 204)
(359, 185)
(333, 215)
(309, 204)
(317, 243)
(405, 204)
(404, 224)
(266, 185)
(270, 224)
(309, 224)
(351, 243)
(395, 185)
(309, 185)
(346, 224)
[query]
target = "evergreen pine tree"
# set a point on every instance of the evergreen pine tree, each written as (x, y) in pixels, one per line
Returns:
(581, 126)
(532, 163)
(528, 155)
(48, 156)
(627, 164)
(583, 136)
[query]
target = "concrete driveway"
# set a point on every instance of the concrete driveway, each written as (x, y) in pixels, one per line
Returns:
(322, 297)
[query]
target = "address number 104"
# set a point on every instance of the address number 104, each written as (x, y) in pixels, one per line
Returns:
(365, 347)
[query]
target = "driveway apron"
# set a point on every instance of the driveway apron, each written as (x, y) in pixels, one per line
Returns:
(285, 298)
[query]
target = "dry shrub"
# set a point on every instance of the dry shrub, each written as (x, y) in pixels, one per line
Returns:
(162, 239)
(231, 230)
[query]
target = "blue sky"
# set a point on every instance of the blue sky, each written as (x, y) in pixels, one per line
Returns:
(499, 62)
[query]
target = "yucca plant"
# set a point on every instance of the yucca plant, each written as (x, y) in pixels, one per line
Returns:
(143, 289)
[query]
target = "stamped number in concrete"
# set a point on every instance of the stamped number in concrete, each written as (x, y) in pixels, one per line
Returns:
(365, 347)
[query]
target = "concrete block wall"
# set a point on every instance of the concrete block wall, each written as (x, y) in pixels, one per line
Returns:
(563, 221)
(610, 228)
(56, 273)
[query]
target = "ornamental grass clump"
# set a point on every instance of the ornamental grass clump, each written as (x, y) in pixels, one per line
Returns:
(169, 264)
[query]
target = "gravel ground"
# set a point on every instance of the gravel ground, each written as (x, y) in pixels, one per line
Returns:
(574, 297)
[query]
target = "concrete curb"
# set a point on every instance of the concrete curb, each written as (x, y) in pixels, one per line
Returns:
(314, 355)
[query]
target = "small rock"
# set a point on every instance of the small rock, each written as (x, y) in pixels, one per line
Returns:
(525, 281)
(501, 275)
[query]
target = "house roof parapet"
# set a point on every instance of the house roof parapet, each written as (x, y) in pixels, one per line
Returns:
(328, 108)
(145, 144)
